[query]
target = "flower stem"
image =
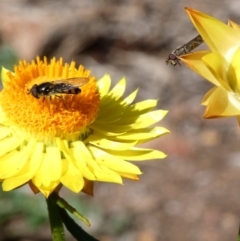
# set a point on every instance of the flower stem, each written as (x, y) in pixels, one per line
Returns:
(55, 220)
(77, 232)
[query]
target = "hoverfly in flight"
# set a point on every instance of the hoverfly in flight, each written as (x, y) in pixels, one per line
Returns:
(184, 49)
(70, 86)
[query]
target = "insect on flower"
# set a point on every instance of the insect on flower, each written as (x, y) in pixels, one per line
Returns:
(184, 49)
(70, 86)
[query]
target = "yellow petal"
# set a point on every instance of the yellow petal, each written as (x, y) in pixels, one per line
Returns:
(107, 175)
(113, 128)
(101, 173)
(51, 167)
(104, 84)
(53, 157)
(207, 97)
(115, 109)
(41, 177)
(119, 89)
(80, 149)
(113, 162)
(4, 76)
(234, 25)
(12, 165)
(222, 104)
(10, 143)
(128, 100)
(217, 35)
(194, 62)
(27, 172)
(81, 162)
(233, 73)
(141, 107)
(143, 134)
(106, 132)
(4, 132)
(129, 176)
(73, 178)
(149, 119)
(100, 141)
(156, 132)
(105, 118)
(112, 99)
(46, 191)
(36, 159)
(8, 161)
(138, 154)
(217, 66)
(11, 183)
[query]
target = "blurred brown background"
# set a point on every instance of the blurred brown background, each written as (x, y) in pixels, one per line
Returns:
(193, 194)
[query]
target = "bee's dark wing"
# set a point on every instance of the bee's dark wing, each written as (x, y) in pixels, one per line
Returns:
(63, 88)
(74, 82)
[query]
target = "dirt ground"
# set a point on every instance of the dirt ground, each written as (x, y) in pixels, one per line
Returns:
(193, 194)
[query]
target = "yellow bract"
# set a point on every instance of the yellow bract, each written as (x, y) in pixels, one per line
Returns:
(73, 140)
(220, 65)
(219, 37)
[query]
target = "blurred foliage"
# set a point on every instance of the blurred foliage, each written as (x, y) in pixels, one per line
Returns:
(119, 223)
(7, 57)
(82, 205)
(32, 208)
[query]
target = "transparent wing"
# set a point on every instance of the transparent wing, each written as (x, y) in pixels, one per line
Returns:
(76, 82)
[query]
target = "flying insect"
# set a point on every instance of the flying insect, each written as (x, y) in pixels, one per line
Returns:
(70, 86)
(184, 49)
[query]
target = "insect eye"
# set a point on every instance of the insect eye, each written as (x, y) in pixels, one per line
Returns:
(172, 57)
(34, 92)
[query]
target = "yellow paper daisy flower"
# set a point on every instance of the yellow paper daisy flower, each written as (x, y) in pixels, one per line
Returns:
(220, 65)
(71, 139)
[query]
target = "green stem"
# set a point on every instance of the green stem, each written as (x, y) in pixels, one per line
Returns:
(55, 220)
(77, 232)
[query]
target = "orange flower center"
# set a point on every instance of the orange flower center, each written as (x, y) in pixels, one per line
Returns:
(55, 115)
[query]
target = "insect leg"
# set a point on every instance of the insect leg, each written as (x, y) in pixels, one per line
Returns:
(63, 100)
